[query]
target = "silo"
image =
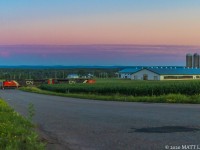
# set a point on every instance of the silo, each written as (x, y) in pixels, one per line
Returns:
(189, 61)
(196, 60)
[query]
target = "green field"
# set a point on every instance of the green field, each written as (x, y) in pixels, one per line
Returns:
(129, 88)
(16, 132)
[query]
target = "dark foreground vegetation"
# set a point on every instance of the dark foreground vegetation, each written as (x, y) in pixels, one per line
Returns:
(61, 73)
(16, 132)
(127, 90)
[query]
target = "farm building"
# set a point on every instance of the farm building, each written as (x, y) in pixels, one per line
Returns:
(166, 74)
(73, 76)
(127, 72)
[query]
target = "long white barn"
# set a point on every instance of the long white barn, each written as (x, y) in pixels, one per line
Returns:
(163, 74)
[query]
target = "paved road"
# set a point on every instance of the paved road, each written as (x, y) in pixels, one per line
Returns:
(98, 125)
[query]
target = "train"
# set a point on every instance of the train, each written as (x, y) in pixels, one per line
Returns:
(8, 84)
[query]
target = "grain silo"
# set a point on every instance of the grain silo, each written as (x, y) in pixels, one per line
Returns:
(189, 61)
(196, 60)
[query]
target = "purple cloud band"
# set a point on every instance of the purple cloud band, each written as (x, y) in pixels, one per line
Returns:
(97, 54)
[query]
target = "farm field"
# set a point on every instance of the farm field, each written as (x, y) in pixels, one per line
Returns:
(129, 87)
(16, 132)
(127, 90)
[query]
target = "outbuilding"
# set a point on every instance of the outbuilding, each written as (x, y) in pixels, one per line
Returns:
(73, 76)
(126, 73)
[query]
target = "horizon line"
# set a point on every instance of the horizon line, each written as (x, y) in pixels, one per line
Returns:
(95, 65)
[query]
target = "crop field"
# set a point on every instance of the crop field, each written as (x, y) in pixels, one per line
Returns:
(16, 132)
(128, 87)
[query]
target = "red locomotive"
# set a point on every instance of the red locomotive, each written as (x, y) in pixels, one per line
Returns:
(10, 84)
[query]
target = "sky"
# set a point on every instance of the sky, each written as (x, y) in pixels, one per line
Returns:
(98, 32)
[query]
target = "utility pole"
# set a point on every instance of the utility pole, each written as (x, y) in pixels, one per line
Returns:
(20, 76)
(29, 75)
(63, 74)
(55, 75)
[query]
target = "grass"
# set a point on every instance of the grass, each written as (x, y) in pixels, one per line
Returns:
(129, 88)
(169, 98)
(16, 132)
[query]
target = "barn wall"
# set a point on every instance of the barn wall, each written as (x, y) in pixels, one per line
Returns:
(197, 77)
(139, 75)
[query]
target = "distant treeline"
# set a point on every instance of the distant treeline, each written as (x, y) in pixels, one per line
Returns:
(20, 74)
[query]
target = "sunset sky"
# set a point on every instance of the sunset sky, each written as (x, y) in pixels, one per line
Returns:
(98, 32)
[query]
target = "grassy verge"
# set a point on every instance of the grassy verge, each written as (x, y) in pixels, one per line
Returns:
(169, 98)
(16, 132)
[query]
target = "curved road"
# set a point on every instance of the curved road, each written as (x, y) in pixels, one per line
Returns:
(78, 124)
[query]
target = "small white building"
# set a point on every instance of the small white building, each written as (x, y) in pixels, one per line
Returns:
(73, 76)
(126, 73)
(166, 74)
